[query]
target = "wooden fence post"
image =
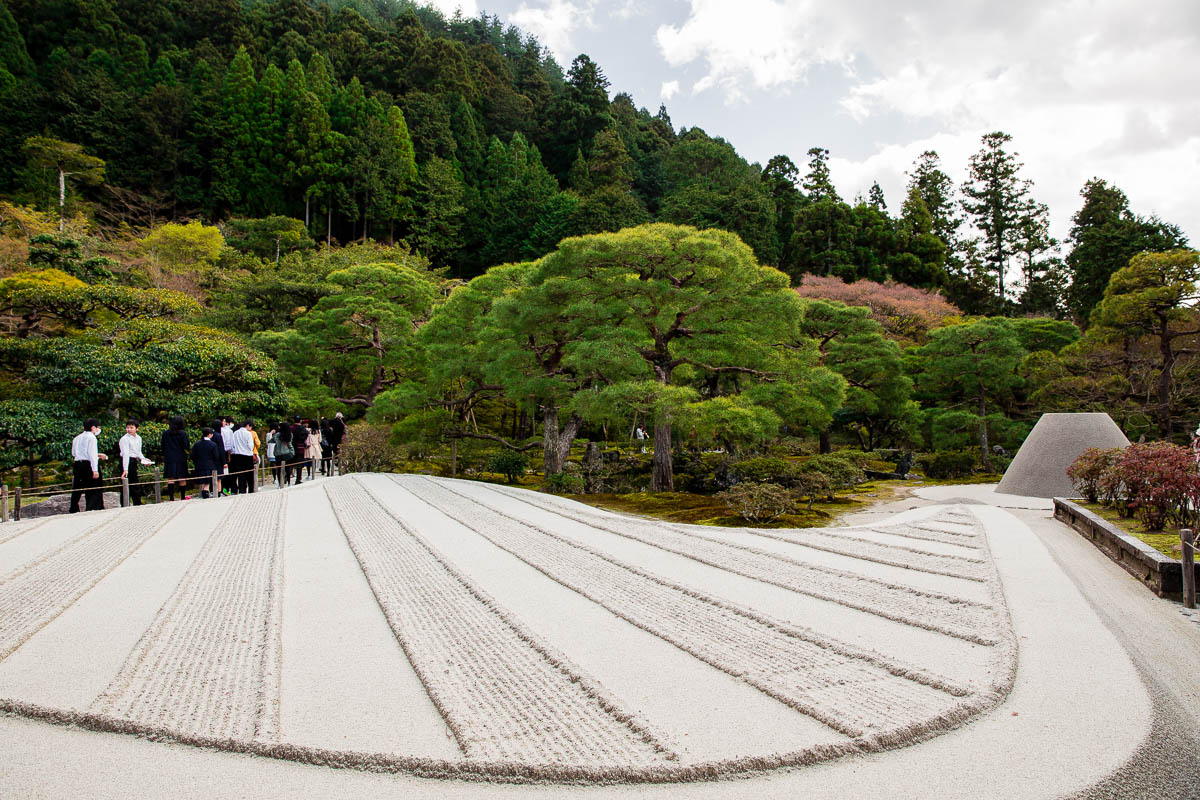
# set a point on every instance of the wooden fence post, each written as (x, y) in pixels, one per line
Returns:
(1187, 559)
(157, 485)
(254, 478)
(124, 491)
(17, 504)
(3, 503)
(214, 490)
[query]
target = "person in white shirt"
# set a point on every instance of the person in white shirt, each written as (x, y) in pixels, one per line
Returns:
(131, 457)
(85, 472)
(241, 458)
(226, 443)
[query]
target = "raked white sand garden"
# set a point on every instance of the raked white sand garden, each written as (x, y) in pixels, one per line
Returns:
(461, 639)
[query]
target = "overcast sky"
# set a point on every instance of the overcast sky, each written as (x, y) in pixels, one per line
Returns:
(1104, 88)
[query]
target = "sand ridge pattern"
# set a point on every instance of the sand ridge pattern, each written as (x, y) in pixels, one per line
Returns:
(11, 530)
(201, 658)
(505, 696)
(208, 665)
(954, 616)
(35, 593)
(855, 693)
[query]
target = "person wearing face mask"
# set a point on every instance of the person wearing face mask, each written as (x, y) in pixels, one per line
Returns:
(85, 474)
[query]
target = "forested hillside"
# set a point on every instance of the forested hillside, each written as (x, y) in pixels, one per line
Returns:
(464, 138)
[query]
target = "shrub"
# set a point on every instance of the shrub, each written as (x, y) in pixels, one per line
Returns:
(1087, 471)
(839, 472)
(510, 464)
(368, 448)
(565, 483)
(811, 485)
(765, 470)
(758, 502)
(1162, 483)
(856, 457)
(946, 466)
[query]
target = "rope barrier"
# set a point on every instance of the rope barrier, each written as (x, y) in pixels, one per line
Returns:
(117, 483)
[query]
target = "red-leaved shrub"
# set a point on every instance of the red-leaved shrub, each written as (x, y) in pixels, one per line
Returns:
(1087, 471)
(1158, 482)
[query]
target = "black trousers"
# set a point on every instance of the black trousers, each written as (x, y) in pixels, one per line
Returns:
(243, 480)
(82, 483)
(135, 492)
(296, 463)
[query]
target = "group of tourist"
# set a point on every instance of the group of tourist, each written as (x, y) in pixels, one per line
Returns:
(230, 450)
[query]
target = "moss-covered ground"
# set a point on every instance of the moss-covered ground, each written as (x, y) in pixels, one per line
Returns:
(1165, 542)
(700, 509)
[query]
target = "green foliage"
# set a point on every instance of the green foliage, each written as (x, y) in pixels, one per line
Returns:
(948, 465)
(564, 483)
(765, 470)
(509, 463)
(840, 472)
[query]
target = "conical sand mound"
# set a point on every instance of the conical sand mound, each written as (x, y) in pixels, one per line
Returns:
(1040, 468)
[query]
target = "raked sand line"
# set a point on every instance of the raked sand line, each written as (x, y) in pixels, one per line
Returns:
(11, 530)
(506, 697)
(966, 542)
(947, 614)
(34, 594)
(859, 694)
(952, 566)
(907, 557)
(209, 664)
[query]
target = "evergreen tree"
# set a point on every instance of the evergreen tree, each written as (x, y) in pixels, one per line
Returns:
(818, 183)
(241, 117)
(995, 198)
(1104, 235)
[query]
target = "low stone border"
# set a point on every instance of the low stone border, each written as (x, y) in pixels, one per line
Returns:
(1160, 574)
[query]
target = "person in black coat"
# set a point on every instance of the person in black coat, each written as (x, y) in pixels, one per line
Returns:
(337, 432)
(175, 458)
(207, 456)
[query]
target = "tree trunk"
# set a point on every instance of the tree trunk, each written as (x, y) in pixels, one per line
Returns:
(1164, 380)
(556, 444)
(826, 445)
(306, 202)
(662, 478)
(454, 458)
(329, 226)
(62, 199)
(984, 456)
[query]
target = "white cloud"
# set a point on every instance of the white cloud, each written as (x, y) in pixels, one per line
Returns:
(470, 8)
(552, 22)
(1086, 87)
(669, 90)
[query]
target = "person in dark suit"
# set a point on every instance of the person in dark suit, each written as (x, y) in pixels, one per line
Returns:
(299, 442)
(207, 456)
(175, 458)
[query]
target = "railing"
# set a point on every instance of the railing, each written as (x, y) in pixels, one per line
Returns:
(12, 501)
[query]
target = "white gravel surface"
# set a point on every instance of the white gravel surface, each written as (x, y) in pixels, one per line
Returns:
(454, 634)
